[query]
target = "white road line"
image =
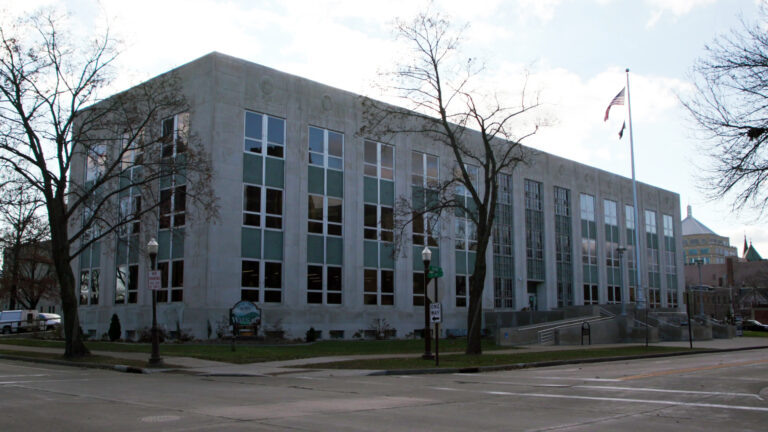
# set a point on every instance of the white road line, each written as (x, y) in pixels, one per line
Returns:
(23, 375)
(642, 389)
(646, 401)
(607, 399)
(526, 384)
(40, 381)
(579, 379)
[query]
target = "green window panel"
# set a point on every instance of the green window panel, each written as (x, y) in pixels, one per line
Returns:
(471, 258)
(252, 168)
(370, 194)
(121, 257)
(84, 255)
(614, 277)
(315, 249)
(133, 250)
(433, 197)
(386, 252)
(250, 243)
(584, 228)
(165, 182)
(164, 240)
(316, 178)
(178, 243)
(334, 249)
(370, 254)
(590, 274)
(417, 198)
(458, 211)
(96, 256)
(418, 265)
(461, 262)
(274, 172)
(335, 183)
(181, 177)
(273, 245)
(124, 182)
(672, 281)
(387, 192)
(471, 206)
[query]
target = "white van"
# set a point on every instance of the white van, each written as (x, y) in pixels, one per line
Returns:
(14, 321)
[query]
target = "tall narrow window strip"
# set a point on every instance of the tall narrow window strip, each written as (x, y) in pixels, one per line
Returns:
(325, 217)
(378, 222)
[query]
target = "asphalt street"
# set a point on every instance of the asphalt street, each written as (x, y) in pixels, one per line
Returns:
(724, 391)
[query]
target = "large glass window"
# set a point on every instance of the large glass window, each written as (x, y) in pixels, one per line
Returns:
(326, 148)
(563, 246)
(425, 176)
(264, 134)
(378, 223)
(172, 281)
(652, 242)
(173, 207)
(175, 135)
(503, 262)
(325, 216)
(261, 281)
(534, 230)
(613, 268)
(629, 222)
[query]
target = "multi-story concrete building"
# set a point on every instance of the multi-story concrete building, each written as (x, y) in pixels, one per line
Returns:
(306, 224)
(702, 244)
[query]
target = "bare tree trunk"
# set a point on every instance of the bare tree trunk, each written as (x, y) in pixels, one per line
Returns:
(74, 346)
(475, 313)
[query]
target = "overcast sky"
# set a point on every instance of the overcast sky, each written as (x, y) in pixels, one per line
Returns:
(576, 52)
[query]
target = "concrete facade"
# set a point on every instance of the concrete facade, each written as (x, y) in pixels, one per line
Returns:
(220, 90)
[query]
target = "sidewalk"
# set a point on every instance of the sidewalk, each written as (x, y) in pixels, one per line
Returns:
(214, 368)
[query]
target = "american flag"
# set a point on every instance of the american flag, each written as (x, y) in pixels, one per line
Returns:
(618, 100)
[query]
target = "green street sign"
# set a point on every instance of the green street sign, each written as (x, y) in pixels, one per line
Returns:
(435, 272)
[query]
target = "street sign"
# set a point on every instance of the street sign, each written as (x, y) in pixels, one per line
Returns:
(435, 313)
(155, 277)
(435, 272)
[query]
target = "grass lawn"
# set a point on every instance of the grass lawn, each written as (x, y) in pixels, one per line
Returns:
(490, 359)
(252, 353)
(752, 333)
(98, 359)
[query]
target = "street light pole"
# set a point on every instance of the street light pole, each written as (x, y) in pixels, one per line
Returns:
(620, 250)
(701, 297)
(690, 331)
(426, 257)
(154, 359)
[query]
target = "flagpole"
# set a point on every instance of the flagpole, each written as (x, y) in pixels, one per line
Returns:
(641, 297)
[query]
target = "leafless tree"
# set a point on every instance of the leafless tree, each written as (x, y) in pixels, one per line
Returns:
(730, 108)
(23, 234)
(84, 153)
(436, 87)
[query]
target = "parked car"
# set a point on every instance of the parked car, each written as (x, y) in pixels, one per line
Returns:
(754, 325)
(49, 321)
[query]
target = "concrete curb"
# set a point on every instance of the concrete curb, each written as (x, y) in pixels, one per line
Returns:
(427, 371)
(515, 366)
(118, 368)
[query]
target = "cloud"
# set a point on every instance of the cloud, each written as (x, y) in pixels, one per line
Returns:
(675, 7)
